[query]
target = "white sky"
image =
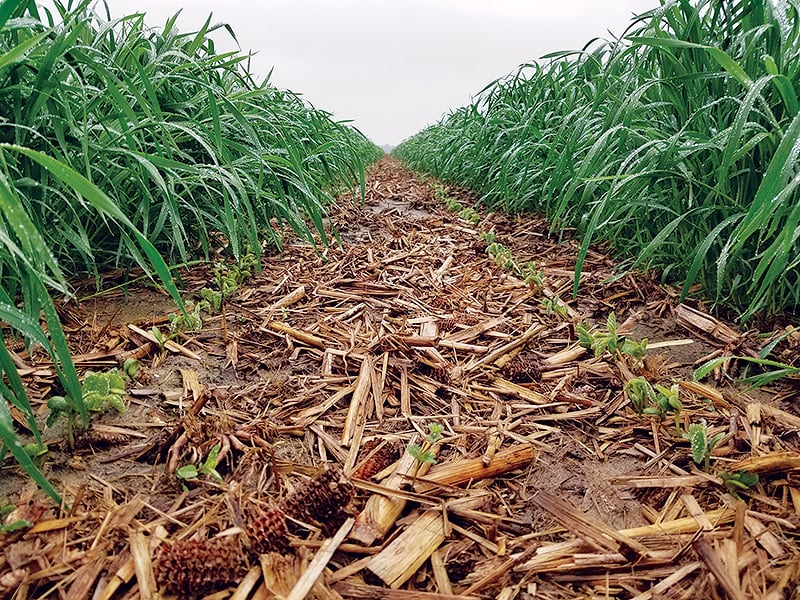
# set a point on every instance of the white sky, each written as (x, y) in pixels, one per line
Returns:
(394, 66)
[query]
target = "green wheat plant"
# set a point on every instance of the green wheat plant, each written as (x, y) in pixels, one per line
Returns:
(131, 147)
(675, 143)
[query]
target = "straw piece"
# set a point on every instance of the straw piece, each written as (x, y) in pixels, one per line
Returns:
(463, 471)
(292, 297)
(380, 511)
(711, 559)
(782, 418)
(702, 390)
(640, 482)
(359, 591)
(711, 328)
(170, 345)
(493, 356)
(85, 578)
(399, 561)
(301, 336)
(582, 525)
(519, 391)
(319, 562)
(693, 508)
(776, 462)
(359, 409)
(143, 565)
(247, 584)
(440, 575)
(662, 587)
(763, 536)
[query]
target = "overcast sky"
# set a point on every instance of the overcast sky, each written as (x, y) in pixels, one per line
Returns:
(394, 66)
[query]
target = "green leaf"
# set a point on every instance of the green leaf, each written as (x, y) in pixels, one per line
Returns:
(101, 389)
(187, 472)
(10, 441)
(104, 204)
(18, 525)
(699, 442)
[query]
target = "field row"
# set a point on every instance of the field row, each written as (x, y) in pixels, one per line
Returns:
(677, 144)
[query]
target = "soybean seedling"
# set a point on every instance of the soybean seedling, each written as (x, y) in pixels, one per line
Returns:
(640, 393)
(668, 400)
(422, 453)
(660, 400)
(470, 214)
(532, 277)
(488, 237)
(555, 306)
(209, 467)
(738, 481)
(701, 444)
(609, 340)
(99, 390)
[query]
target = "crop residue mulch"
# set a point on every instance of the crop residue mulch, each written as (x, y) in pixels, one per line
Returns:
(403, 417)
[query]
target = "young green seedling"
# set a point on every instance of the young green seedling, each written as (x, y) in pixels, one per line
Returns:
(190, 321)
(488, 237)
(469, 214)
(98, 391)
(738, 481)
(422, 453)
(209, 467)
(532, 277)
(554, 306)
(668, 400)
(701, 444)
(131, 367)
(640, 393)
(599, 342)
(160, 338)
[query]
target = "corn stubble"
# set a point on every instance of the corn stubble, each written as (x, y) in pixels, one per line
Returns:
(202, 566)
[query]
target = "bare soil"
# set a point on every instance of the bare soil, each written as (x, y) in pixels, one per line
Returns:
(322, 370)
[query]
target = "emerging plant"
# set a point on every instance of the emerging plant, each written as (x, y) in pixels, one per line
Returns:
(532, 276)
(667, 401)
(701, 444)
(131, 368)
(422, 453)
(211, 300)
(738, 481)
(99, 390)
(207, 468)
(609, 340)
(228, 280)
(161, 339)
(470, 214)
(488, 237)
(555, 306)
(502, 256)
(188, 321)
(640, 393)
(658, 400)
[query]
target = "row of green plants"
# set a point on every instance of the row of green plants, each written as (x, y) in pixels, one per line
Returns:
(677, 144)
(603, 339)
(123, 146)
